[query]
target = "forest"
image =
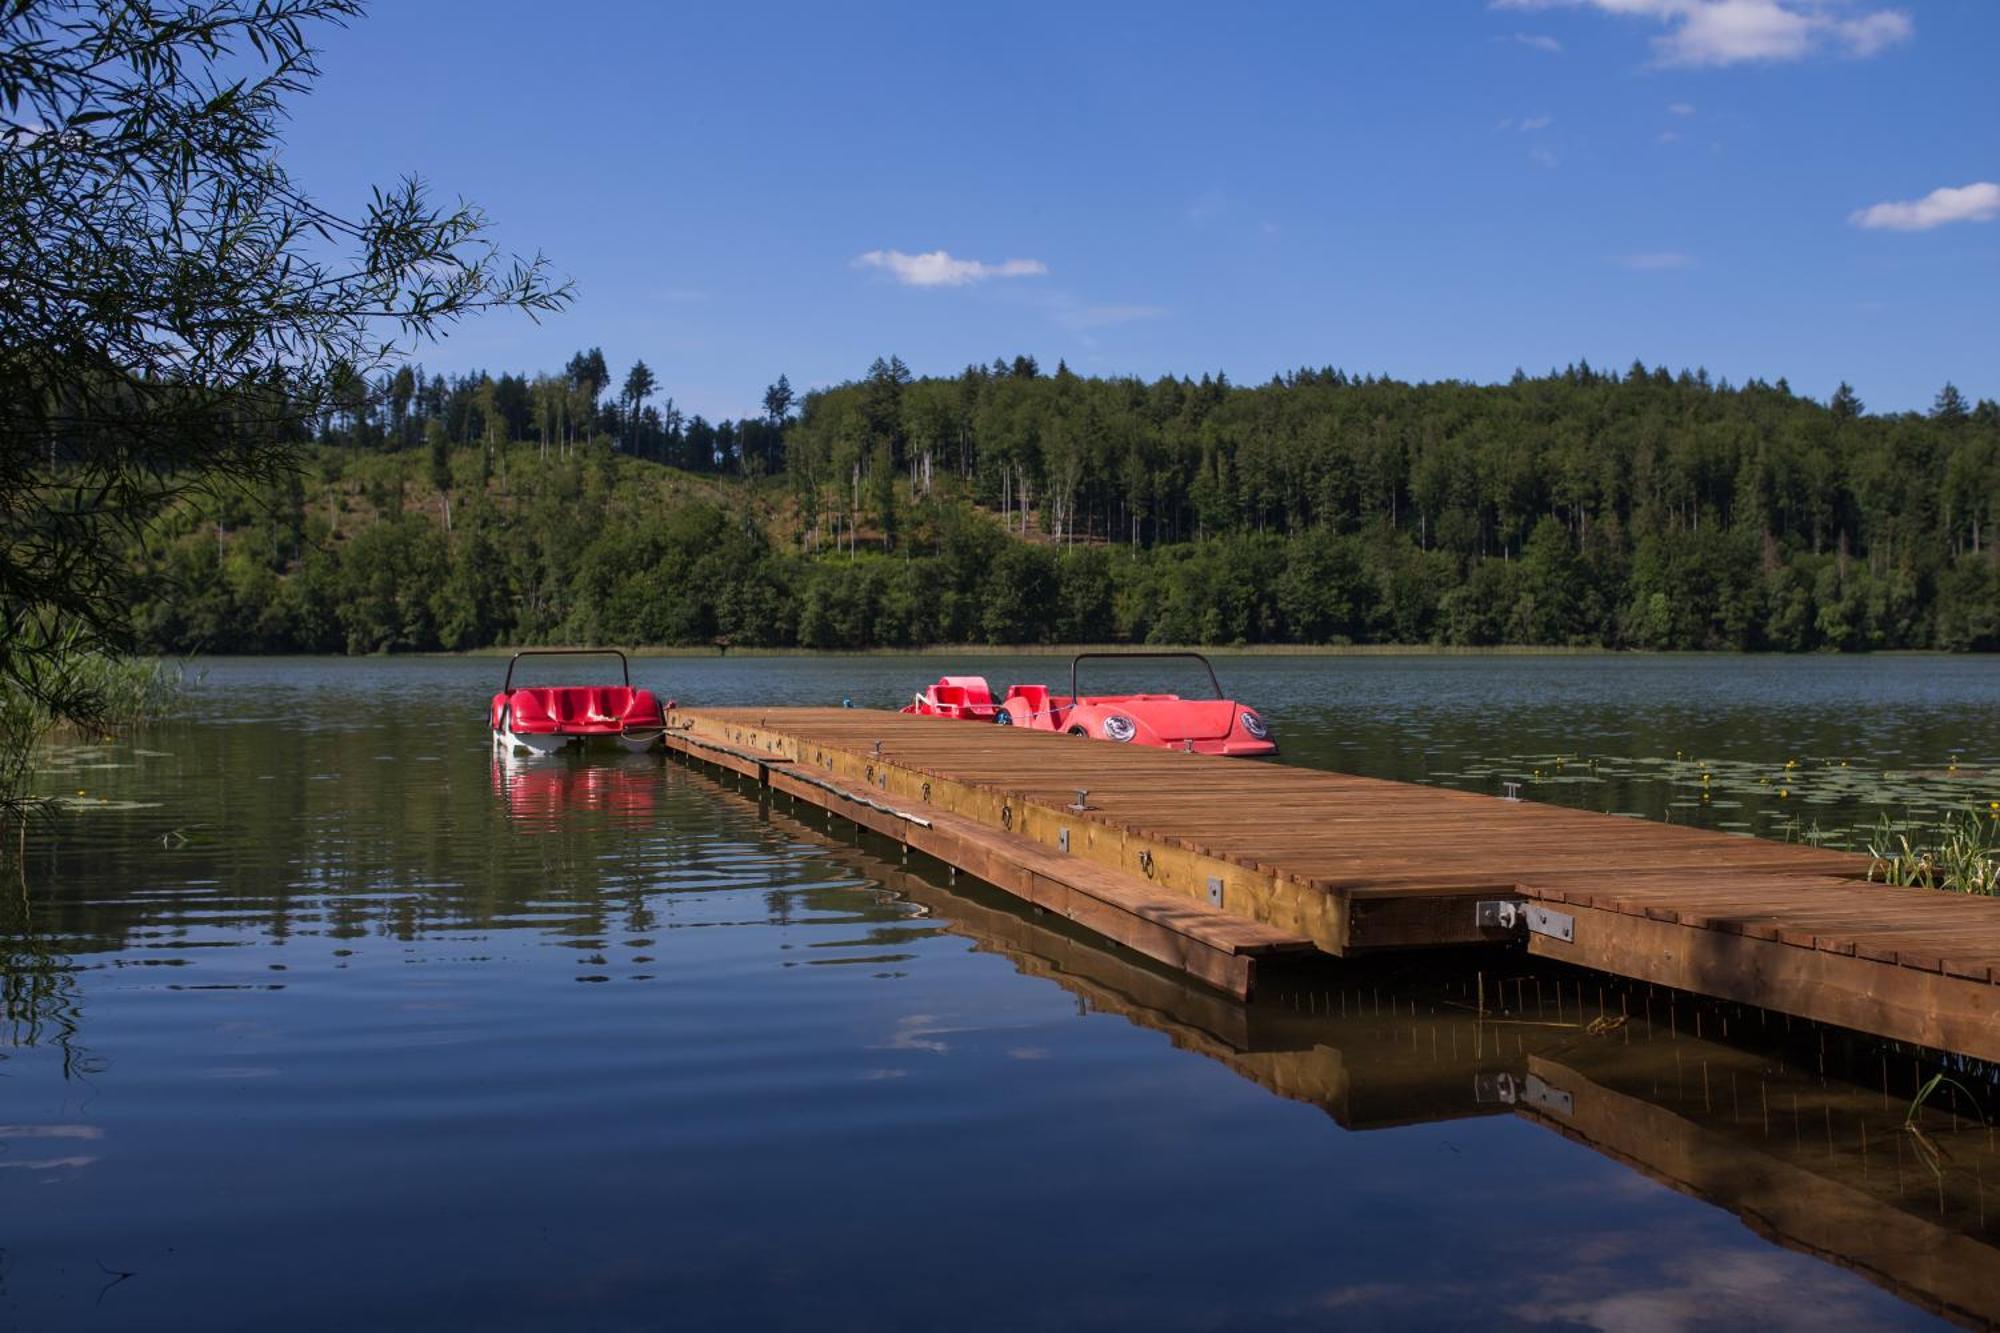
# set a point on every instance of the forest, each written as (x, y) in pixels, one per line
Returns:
(1011, 505)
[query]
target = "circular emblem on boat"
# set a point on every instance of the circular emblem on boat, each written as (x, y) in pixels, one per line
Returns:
(1004, 718)
(1118, 728)
(1255, 725)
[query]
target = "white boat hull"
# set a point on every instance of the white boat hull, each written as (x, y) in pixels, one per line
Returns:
(540, 744)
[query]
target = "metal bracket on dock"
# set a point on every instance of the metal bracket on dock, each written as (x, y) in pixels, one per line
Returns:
(1215, 890)
(1556, 925)
(1507, 914)
(1530, 1090)
(1062, 839)
(1082, 802)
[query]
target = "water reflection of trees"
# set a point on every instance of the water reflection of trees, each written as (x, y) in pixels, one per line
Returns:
(270, 833)
(267, 834)
(40, 1000)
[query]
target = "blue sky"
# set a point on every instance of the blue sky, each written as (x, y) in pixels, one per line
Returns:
(1444, 189)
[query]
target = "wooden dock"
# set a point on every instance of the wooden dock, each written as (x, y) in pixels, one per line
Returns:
(1218, 866)
(1819, 1160)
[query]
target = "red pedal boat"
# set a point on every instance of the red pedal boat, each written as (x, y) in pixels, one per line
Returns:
(1167, 721)
(542, 719)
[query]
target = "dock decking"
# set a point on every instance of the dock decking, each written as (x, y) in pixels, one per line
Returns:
(1215, 865)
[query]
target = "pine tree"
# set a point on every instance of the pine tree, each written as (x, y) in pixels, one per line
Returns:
(640, 382)
(1949, 406)
(1846, 406)
(778, 402)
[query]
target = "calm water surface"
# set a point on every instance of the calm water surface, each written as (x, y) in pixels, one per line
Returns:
(317, 1018)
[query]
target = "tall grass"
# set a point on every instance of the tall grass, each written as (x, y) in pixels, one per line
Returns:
(120, 691)
(1962, 854)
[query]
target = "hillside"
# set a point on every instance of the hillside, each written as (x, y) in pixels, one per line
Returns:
(1008, 506)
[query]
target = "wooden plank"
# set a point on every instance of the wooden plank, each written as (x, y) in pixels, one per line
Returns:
(1902, 1003)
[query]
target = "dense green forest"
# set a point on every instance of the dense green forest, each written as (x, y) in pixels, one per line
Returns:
(1006, 504)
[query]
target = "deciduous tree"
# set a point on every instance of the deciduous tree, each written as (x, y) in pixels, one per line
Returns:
(174, 307)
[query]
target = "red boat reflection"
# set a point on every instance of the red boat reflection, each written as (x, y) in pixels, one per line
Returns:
(544, 794)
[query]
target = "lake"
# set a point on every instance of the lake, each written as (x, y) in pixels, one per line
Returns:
(318, 1017)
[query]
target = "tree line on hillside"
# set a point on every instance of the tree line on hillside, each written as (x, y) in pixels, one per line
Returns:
(411, 409)
(1005, 504)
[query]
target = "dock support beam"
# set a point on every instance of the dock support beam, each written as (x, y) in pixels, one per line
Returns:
(1902, 1003)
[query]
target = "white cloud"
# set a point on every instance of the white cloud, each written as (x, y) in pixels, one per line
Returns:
(1657, 261)
(1542, 157)
(1541, 122)
(1732, 30)
(1666, 136)
(50, 1132)
(1540, 42)
(1724, 32)
(938, 268)
(1978, 202)
(1873, 32)
(1680, 108)
(1707, 1288)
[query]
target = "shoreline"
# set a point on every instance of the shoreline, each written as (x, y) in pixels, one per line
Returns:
(1070, 649)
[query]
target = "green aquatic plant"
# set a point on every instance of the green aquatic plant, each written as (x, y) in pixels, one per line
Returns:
(122, 692)
(1961, 854)
(1929, 1089)
(1927, 1149)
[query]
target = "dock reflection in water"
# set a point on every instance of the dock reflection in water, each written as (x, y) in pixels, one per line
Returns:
(1753, 1113)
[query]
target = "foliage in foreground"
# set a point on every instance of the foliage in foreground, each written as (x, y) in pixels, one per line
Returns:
(172, 305)
(117, 692)
(1962, 854)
